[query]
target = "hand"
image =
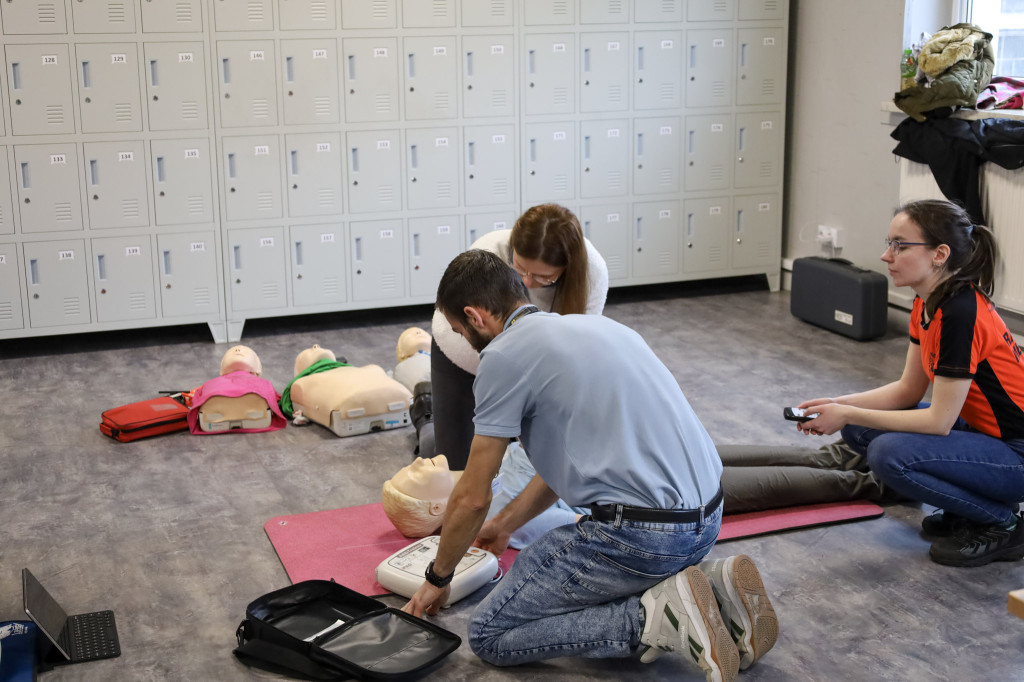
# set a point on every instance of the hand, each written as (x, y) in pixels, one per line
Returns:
(492, 538)
(831, 417)
(813, 403)
(428, 599)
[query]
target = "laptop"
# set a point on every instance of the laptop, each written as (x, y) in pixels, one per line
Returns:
(85, 637)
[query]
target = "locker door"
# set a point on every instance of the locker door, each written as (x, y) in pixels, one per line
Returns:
(658, 11)
(709, 69)
(243, 15)
(189, 282)
(479, 224)
(307, 15)
(708, 152)
(115, 181)
(706, 235)
(486, 13)
(318, 265)
(103, 16)
(39, 81)
(604, 12)
(604, 72)
(6, 205)
(719, 10)
(182, 182)
(374, 171)
(604, 157)
(11, 312)
(607, 228)
(760, 10)
(172, 16)
(371, 79)
(487, 74)
(32, 17)
(762, 65)
(176, 86)
(433, 243)
(314, 173)
(757, 226)
(550, 160)
(548, 12)
(57, 283)
(656, 155)
(656, 239)
(431, 83)
(108, 87)
(428, 13)
(378, 261)
(369, 14)
(248, 88)
(548, 74)
(432, 167)
(657, 79)
(252, 177)
(48, 189)
(257, 267)
(490, 158)
(758, 150)
(310, 81)
(123, 279)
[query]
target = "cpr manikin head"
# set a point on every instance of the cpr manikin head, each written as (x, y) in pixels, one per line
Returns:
(311, 355)
(241, 359)
(412, 341)
(416, 497)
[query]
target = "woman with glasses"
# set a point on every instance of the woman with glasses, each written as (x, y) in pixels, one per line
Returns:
(964, 451)
(563, 273)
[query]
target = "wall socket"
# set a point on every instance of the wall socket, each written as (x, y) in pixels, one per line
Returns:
(830, 235)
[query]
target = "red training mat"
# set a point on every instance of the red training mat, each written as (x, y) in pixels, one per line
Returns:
(736, 526)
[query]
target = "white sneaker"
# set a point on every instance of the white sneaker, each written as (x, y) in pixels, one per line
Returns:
(744, 605)
(681, 614)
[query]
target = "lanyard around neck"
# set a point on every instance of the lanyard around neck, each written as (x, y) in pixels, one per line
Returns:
(518, 313)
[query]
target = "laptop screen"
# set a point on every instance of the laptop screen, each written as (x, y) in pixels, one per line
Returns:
(44, 610)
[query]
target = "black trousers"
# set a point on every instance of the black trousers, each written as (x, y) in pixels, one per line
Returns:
(453, 405)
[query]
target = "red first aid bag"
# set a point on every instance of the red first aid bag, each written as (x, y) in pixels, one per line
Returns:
(146, 418)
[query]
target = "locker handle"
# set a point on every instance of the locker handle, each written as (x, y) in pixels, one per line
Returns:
(586, 60)
(225, 70)
(25, 184)
(237, 256)
(689, 224)
(153, 80)
(101, 266)
(639, 228)
(742, 138)
(743, 54)
(160, 169)
(415, 245)
(586, 147)
(33, 271)
(640, 58)
(469, 64)
(298, 253)
(531, 62)
(167, 262)
(231, 165)
(351, 67)
(86, 77)
(533, 150)
(412, 65)
(693, 56)
(689, 141)
(94, 172)
(358, 250)
(586, 229)
(355, 159)
(15, 76)
(639, 144)
(739, 221)
(294, 156)
(471, 153)
(289, 69)
(413, 160)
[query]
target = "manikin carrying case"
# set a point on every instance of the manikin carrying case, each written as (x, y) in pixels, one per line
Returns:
(835, 294)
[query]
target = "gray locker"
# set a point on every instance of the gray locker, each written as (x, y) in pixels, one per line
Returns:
(377, 260)
(190, 281)
(486, 13)
(758, 150)
(318, 265)
(487, 75)
(103, 16)
(48, 189)
(760, 10)
(248, 89)
(172, 16)
(256, 264)
(33, 17)
(604, 158)
(310, 81)
(123, 279)
(431, 80)
(176, 86)
(656, 155)
(657, 63)
(659, 11)
(490, 160)
(11, 312)
(428, 13)
(479, 224)
(549, 161)
(368, 14)
(717, 10)
(708, 151)
(604, 12)
(252, 177)
(548, 74)
(757, 229)
(370, 66)
(308, 15)
(108, 87)
(115, 183)
(656, 229)
(432, 167)
(709, 67)
(39, 82)
(548, 12)
(433, 243)
(314, 173)
(604, 72)
(706, 232)
(182, 181)
(243, 15)
(57, 283)
(6, 204)
(761, 65)
(607, 228)
(374, 171)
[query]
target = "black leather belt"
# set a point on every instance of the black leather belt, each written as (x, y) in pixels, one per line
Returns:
(608, 512)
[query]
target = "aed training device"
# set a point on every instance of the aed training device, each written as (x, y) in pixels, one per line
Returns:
(836, 294)
(402, 572)
(795, 414)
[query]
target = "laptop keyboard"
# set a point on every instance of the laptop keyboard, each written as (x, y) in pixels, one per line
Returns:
(94, 636)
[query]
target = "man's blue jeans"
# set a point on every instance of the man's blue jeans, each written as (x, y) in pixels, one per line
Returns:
(576, 590)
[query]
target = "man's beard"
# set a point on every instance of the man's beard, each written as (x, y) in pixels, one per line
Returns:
(476, 339)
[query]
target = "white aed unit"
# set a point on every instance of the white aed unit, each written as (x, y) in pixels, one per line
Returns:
(402, 572)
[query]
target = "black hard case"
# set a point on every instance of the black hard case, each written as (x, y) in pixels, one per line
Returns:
(835, 294)
(376, 642)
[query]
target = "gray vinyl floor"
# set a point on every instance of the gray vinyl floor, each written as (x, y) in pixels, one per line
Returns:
(168, 532)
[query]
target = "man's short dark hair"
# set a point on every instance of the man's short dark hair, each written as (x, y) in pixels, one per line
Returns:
(481, 279)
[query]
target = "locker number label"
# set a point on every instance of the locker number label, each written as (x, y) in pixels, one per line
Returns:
(191, 153)
(440, 50)
(327, 238)
(718, 42)
(613, 132)
(665, 130)
(558, 135)
(133, 250)
(319, 54)
(387, 234)
(440, 141)
(764, 206)
(185, 58)
(717, 127)
(58, 159)
(497, 49)
(766, 125)
(500, 225)
(664, 213)
(266, 241)
(444, 229)
(383, 144)
(49, 59)
(118, 59)
(558, 47)
(380, 52)
(256, 55)
(613, 218)
(126, 156)
(715, 210)
(667, 44)
(195, 247)
(613, 46)
(262, 150)
(66, 255)
(497, 139)
(769, 41)
(323, 146)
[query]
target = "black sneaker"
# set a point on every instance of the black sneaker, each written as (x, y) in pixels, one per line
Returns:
(422, 409)
(942, 524)
(977, 545)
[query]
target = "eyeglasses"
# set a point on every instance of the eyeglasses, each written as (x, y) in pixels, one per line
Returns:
(543, 281)
(896, 246)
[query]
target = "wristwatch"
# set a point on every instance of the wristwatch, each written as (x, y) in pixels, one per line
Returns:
(436, 580)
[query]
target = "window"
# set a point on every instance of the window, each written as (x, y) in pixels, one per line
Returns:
(1004, 19)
